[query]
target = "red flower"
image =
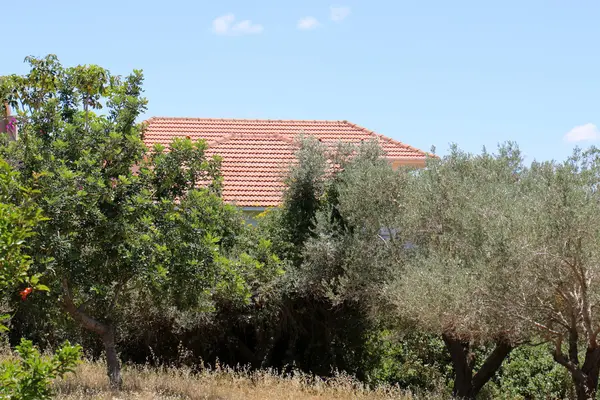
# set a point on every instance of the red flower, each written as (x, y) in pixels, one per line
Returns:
(25, 292)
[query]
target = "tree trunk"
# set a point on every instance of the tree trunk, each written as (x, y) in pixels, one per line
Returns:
(105, 331)
(585, 379)
(467, 385)
(113, 365)
(463, 367)
(586, 386)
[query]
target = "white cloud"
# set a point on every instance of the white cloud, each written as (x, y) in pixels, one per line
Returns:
(222, 24)
(226, 25)
(581, 133)
(338, 14)
(307, 23)
(246, 27)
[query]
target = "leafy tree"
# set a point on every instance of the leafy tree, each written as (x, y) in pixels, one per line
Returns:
(426, 248)
(408, 359)
(123, 219)
(291, 225)
(350, 231)
(556, 290)
(324, 330)
(462, 225)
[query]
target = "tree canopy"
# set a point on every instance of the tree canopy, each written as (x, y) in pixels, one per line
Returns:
(122, 219)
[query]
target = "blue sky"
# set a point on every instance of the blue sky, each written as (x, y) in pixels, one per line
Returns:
(424, 72)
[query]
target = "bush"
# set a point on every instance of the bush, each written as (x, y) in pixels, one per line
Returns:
(30, 375)
(531, 373)
(414, 361)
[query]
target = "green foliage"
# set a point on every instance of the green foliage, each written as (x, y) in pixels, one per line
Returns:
(124, 221)
(442, 263)
(461, 243)
(303, 197)
(19, 216)
(183, 167)
(556, 290)
(106, 196)
(319, 331)
(413, 361)
(530, 372)
(192, 235)
(348, 235)
(29, 375)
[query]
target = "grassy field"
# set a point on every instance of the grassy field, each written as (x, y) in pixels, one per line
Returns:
(144, 383)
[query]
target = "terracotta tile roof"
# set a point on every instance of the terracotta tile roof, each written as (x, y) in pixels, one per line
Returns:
(256, 153)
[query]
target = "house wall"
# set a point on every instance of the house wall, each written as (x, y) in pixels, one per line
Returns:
(408, 163)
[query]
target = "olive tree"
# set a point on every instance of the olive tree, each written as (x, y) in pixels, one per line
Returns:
(462, 223)
(425, 247)
(557, 288)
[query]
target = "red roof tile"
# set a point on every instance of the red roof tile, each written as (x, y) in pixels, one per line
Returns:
(257, 153)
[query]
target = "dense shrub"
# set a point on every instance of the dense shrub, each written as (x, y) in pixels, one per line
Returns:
(531, 373)
(29, 375)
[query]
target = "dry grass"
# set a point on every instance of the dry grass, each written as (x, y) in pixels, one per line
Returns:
(145, 383)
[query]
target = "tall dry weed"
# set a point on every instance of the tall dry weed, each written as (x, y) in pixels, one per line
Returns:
(145, 382)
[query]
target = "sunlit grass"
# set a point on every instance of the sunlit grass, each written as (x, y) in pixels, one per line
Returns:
(145, 382)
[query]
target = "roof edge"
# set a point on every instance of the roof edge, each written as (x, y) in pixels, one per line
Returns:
(249, 119)
(389, 139)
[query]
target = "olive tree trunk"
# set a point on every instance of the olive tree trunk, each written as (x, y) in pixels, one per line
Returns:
(585, 377)
(466, 384)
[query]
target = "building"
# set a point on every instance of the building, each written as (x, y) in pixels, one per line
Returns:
(257, 153)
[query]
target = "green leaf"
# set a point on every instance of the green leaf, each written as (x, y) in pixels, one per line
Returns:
(42, 288)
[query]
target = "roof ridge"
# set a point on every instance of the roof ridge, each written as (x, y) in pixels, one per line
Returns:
(388, 139)
(246, 135)
(247, 119)
(223, 139)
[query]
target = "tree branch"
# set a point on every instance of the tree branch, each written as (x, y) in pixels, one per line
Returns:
(560, 358)
(115, 299)
(540, 326)
(78, 315)
(573, 341)
(491, 365)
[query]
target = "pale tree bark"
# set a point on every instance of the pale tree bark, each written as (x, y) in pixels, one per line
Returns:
(468, 384)
(104, 330)
(585, 377)
(579, 312)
